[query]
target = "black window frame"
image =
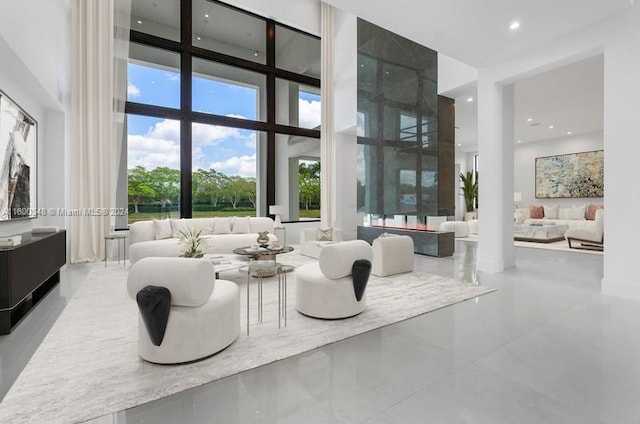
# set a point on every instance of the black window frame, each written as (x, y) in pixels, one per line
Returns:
(187, 116)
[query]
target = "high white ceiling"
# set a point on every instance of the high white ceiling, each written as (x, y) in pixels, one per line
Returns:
(477, 31)
(570, 99)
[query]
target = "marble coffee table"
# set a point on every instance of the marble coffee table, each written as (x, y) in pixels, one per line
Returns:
(547, 233)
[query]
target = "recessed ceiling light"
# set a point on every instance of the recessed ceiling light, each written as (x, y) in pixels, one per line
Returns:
(206, 15)
(550, 127)
(198, 38)
(569, 133)
(256, 53)
(459, 144)
(514, 25)
(529, 119)
(469, 99)
(139, 22)
(519, 141)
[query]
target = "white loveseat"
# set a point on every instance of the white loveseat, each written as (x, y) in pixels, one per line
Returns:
(159, 238)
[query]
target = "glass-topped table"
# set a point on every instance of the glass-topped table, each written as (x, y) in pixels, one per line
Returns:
(261, 269)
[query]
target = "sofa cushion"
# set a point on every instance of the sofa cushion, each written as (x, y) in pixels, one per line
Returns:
(550, 212)
(184, 225)
(536, 212)
(241, 225)
(591, 211)
(162, 229)
(578, 212)
(223, 226)
(564, 213)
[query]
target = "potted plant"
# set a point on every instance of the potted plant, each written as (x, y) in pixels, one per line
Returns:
(192, 242)
(469, 189)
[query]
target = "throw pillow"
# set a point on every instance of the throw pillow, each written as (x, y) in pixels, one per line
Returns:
(550, 212)
(564, 213)
(178, 225)
(591, 211)
(223, 226)
(536, 212)
(578, 212)
(241, 225)
(520, 218)
(325, 234)
(162, 229)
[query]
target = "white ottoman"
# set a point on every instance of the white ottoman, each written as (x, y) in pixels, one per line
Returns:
(392, 255)
(473, 226)
(459, 228)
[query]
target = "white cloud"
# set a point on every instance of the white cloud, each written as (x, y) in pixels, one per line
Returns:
(207, 135)
(309, 113)
(160, 146)
(152, 152)
(244, 166)
(132, 91)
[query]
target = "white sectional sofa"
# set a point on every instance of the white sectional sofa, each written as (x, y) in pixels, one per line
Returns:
(160, 238)
(573, 217)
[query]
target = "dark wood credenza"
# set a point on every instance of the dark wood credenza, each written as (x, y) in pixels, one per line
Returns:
(27, 272)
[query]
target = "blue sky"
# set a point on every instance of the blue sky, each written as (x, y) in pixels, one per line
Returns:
(155, 142)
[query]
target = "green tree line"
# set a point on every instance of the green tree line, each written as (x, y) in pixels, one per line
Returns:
(161, 186)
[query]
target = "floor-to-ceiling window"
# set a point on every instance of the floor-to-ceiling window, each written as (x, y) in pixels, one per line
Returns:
(223, 113)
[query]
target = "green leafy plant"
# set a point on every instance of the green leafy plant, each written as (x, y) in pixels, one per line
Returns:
(469, 189)
(192, 242)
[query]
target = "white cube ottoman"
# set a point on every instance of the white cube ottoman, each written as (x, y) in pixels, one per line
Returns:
(459, 228)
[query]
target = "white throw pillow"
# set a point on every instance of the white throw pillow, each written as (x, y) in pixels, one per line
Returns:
(241, 225)
(550, 212)
(176, 226)
(577, 212)
(223, 226)
(325, 234)
(162, 229)
(564, 213)
(520, 218)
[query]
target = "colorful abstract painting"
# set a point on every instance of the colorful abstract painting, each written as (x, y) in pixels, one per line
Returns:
(18, 143)
(570, 176)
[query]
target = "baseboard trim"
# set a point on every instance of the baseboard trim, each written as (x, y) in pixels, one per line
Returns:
(620, 289)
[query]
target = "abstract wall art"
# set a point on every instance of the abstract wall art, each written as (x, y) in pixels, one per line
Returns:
(570, 176)
(18, 145)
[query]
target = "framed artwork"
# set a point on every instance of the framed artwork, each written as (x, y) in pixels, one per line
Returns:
(572, 175)
(18, 170)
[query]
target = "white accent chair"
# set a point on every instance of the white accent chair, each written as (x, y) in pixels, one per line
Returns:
(588, 238)
(392, 255)
(311, 246)
(204, 316)
(459, 228)
(324, 289)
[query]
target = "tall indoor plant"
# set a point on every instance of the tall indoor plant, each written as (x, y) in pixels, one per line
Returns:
(469, 189)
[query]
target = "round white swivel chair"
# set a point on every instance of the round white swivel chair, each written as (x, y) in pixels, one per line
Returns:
(325, 289)
(204, 316)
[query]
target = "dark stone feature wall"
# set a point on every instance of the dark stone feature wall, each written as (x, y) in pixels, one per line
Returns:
(430, 243)
(405, 158)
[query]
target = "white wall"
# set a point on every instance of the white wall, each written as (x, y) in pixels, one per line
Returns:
(453, 74)
(524, 165)
(35, 51)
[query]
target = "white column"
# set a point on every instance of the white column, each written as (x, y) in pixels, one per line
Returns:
(621, 154)
(327, 140)
(495, 178)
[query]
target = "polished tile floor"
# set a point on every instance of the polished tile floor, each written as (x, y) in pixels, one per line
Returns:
(546, 347)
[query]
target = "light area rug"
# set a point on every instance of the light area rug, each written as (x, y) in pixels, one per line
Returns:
(562, 245)
(88, 364)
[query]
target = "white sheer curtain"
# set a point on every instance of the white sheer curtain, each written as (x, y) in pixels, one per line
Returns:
(327, 137)
(94, 153)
